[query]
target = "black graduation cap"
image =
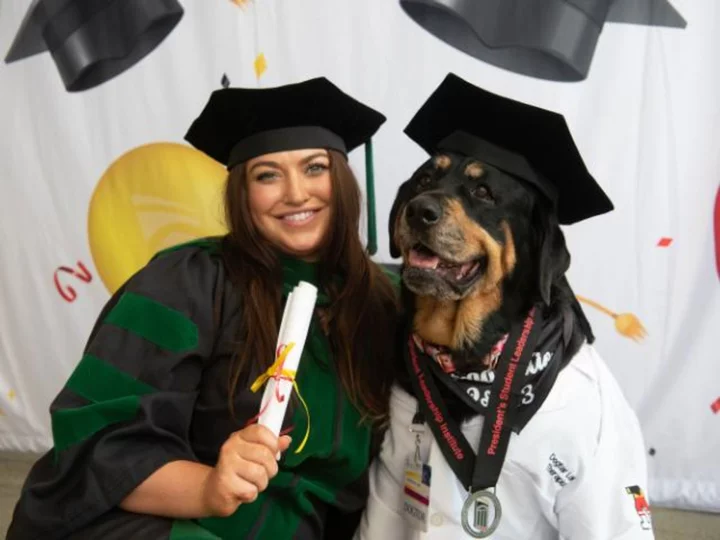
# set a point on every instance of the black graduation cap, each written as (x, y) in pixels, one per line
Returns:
(238, 124)
(548, 39)
(92, 41)
(528, 142)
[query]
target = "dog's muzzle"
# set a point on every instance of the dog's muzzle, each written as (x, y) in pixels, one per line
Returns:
(435, 250)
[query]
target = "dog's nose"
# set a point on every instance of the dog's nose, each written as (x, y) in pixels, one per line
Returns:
(424, 211)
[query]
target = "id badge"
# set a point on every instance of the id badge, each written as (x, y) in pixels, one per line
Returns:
(416, 494)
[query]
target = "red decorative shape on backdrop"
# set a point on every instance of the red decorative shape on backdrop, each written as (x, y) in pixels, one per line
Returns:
(715, 406)
(717, 232)
(67, 292)
(664, 241)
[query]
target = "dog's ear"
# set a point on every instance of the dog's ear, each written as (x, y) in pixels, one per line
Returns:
(404, 194)
(552, 254)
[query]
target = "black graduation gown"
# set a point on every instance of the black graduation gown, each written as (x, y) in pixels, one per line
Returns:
(152, 388)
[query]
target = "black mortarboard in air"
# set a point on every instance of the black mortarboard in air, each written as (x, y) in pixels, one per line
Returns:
(549, 39)
(238, 124)
(530, 143)
(92, 41)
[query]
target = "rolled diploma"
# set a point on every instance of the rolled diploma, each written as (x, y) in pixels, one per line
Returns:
(293, 329)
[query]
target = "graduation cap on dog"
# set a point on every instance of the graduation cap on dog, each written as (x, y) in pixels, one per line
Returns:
(549, 39)
(532, 144)
(238, 124)
(92, 41)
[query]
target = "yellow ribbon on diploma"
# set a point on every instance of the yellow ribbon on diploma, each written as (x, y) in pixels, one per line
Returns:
(277, 372)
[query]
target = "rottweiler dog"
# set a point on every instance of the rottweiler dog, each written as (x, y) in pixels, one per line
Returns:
(479, 249)
(494, 335)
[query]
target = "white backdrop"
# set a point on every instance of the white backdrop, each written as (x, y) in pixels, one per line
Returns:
(647, 120)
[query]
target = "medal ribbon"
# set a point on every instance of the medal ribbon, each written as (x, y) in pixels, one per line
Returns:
(482, 471)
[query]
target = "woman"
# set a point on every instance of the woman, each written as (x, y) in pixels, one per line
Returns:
(153, 432)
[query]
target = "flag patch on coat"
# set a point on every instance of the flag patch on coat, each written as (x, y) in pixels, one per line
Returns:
(641, 506)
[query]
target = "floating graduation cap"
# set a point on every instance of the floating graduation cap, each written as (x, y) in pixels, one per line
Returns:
(530, 143)
(238, 124)
(548, 39)
(92, 41)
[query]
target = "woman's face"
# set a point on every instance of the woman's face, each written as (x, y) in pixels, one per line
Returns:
(289, 194)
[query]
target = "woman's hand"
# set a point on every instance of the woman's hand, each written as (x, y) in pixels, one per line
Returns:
(245, 466)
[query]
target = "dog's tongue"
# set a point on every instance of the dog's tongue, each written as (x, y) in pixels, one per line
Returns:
(423, 260)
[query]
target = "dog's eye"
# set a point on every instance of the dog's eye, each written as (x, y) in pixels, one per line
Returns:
(482, 193)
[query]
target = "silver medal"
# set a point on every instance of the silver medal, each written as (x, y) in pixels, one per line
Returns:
(481, 514)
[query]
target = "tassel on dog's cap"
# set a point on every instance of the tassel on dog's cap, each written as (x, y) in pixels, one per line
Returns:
(528, 142)
(238, 124)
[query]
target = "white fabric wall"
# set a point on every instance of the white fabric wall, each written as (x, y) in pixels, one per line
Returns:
(647, 120)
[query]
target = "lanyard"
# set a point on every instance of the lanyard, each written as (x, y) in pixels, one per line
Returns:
(482, 471)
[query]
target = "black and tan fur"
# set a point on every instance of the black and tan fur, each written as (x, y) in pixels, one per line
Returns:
(466, 210)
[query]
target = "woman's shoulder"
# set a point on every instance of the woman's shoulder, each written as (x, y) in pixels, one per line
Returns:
(181, 272)
(207, 249)
(199, 256)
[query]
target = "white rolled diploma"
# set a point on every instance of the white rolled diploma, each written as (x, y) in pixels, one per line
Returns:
(294, 328)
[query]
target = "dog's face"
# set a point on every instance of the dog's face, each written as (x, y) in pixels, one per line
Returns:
(476, 242)
(458, 223)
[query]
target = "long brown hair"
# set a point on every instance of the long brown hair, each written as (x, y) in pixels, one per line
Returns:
(361, 317)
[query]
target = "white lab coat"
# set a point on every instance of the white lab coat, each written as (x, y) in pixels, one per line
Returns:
(565, 476)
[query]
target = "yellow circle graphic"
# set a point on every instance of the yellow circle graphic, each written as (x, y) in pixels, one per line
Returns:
(150, 198)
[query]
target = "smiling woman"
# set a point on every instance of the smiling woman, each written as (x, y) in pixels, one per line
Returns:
(154, 431)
